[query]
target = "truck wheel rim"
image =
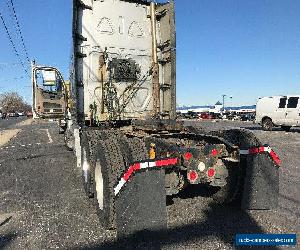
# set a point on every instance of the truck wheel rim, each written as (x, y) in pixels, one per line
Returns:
(99, 184)
(84, 165)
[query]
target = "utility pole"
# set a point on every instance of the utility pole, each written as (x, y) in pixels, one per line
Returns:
(223, 96)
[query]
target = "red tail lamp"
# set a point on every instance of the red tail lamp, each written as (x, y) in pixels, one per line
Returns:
(211, 172)
(187, 156)
(214, 152)
(192, 176)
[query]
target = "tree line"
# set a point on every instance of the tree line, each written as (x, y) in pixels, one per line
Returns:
(11, 102)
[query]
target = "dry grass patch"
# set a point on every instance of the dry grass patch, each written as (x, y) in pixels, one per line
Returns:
(7, 135)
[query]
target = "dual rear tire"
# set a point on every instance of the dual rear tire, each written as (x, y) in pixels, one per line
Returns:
(232, 192)
(105, 157)
(109, 166)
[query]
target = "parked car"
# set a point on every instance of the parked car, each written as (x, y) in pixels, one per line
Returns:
(29, 114)
(281, 111)
(231, 115)
(247, 117)
(13, 114)
(206, 116)
(179, 115)
(191, 115)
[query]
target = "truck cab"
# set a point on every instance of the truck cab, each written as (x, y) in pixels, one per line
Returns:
(48, 90)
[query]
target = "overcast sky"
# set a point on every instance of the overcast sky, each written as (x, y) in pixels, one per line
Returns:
(244, 49)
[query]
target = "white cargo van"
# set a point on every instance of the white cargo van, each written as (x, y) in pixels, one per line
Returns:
(281, 111)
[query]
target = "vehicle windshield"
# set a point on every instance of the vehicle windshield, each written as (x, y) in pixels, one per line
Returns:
(48, 80)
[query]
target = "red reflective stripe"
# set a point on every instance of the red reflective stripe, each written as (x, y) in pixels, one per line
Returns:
(128, 173)
(167, 162)
(272, 153)
(137, 166)
(172, 161)
(253, 150)
(275, 157)
(262, 149)
(159, 163)
(257, 150)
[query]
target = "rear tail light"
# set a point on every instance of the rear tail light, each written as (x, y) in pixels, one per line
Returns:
(211, 172)
(192, 176)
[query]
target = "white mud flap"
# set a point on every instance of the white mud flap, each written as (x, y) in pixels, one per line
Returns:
(141, 204)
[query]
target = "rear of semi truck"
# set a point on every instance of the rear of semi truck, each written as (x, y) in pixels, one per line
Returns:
(131, 150)
(124, 60)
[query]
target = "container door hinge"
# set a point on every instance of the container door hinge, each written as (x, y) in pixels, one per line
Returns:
(83, 6)
(163, 45)
(161, 14)
(80, 55)
(164, 61)
(80, 37)
(165, 86)
(79, 84)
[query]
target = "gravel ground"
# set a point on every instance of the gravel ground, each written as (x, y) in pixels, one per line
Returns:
(11, 121)
(42, 197)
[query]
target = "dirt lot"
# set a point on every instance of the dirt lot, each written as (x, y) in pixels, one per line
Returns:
(43, 203)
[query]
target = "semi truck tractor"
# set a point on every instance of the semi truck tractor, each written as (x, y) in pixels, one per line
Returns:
(49, 93)
(130, 148)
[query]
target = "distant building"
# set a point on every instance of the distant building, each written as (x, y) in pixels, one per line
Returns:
(202, 109)
(217, 109)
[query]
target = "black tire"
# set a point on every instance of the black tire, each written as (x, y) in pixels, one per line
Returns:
(267, 124)
(89, 141)
(231, 193)
(286, 128)
(137, 149)
(87, 160)
(61, 130)
(69, 140)
(195, 130)
(108, 168)
(259, 185)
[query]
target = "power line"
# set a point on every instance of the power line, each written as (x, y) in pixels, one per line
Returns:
(6, 65)
(19, 28)
(2, 64)
(14, 78)
(13, 45)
